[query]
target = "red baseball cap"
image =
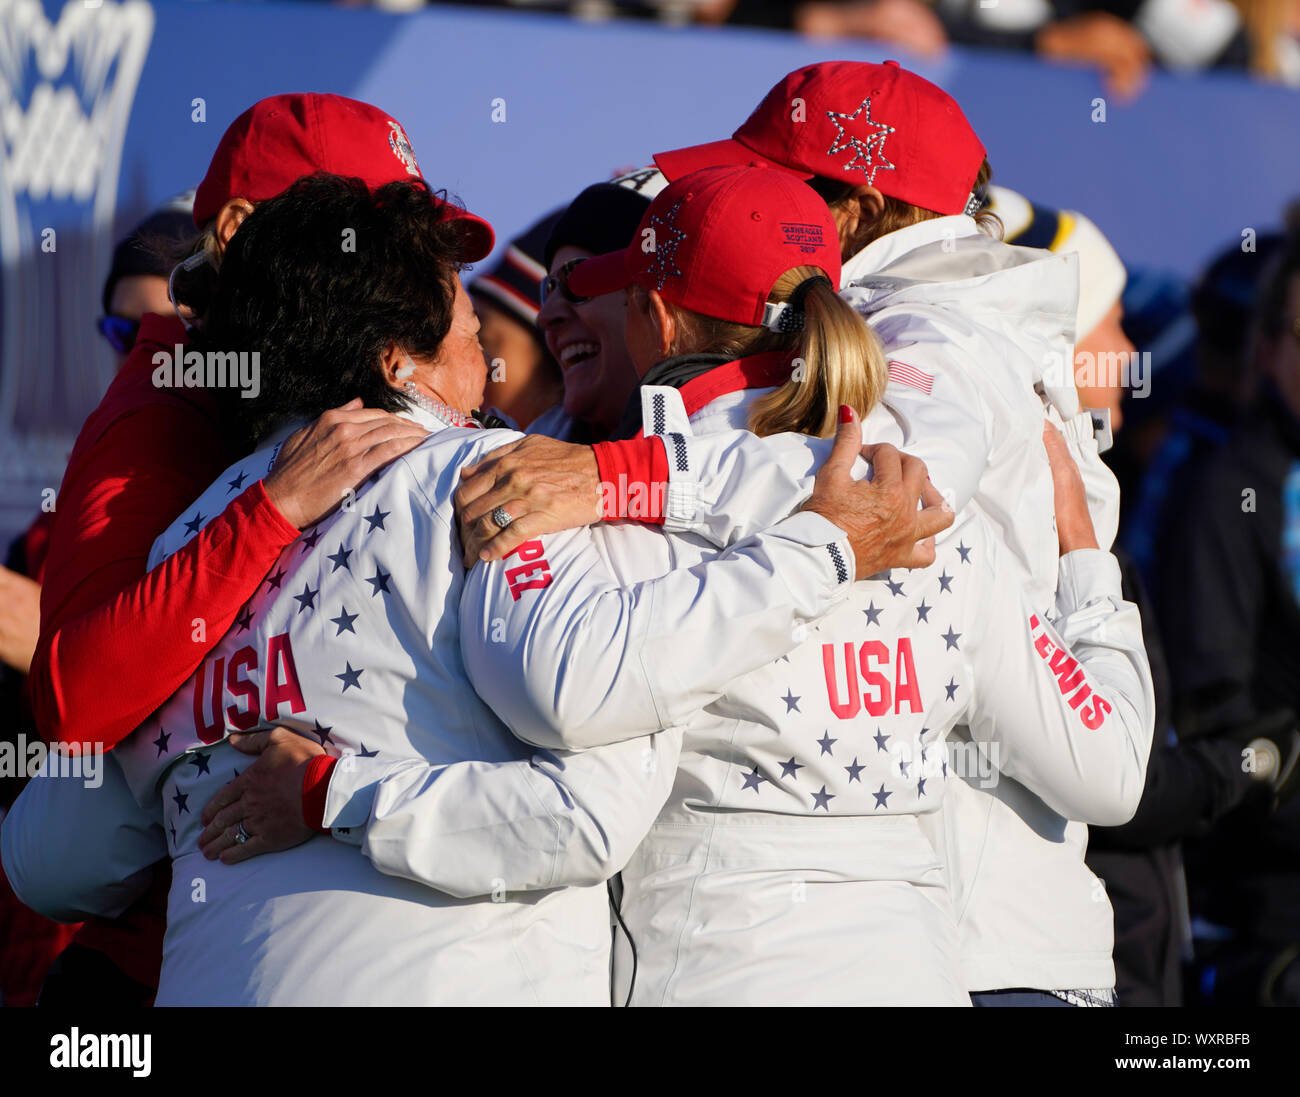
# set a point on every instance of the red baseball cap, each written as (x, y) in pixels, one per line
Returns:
(862, 123)
(715, 241)
(280, 139)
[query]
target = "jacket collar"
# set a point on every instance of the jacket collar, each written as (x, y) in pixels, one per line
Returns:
(716, 376)
(757, 371)
(881, 253)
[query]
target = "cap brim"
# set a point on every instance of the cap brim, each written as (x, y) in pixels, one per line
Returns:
(601, 274)
(716, 154)
(478, 235)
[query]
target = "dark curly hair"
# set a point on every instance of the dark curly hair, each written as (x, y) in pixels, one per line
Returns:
(319, 281)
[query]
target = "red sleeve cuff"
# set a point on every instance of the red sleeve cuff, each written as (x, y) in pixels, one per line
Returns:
(315, 787)
(633, 479)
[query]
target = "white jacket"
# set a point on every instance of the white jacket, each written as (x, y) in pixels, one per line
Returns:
(815, 767)
(973, 329)
(356, 632)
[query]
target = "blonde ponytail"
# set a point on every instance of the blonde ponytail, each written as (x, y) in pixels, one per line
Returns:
(837, 357)
(839, 361)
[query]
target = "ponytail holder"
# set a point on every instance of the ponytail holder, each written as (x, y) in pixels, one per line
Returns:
(787, 316)
(801, 290)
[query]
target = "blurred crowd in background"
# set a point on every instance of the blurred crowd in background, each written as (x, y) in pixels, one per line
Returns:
(1123, 38)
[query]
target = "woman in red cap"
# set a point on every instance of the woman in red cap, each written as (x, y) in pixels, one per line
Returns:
(116, 638)
(790, 864)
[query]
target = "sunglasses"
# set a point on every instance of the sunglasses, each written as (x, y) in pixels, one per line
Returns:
(560, 280)
(119, 331)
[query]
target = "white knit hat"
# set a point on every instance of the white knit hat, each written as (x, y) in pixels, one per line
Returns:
(1101, 272)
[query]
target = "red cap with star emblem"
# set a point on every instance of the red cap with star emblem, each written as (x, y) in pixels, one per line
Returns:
(280, 139)
(716, 241)
(861, 123)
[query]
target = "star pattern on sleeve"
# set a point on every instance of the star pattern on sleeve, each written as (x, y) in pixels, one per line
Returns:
(350, 677)
(237, 482)
(192, 526)
(307, 599)
(379, 581)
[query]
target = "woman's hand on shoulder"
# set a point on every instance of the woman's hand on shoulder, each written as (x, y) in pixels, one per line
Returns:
(321, 463)
(890, 520)
(542, 485)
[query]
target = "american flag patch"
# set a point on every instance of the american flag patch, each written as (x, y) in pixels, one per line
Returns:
(911, 376)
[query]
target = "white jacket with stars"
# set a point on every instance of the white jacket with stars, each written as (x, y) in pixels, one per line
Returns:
(479, 877)
(814, 768)
(979, 335)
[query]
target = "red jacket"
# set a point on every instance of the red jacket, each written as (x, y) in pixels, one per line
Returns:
(116, 642)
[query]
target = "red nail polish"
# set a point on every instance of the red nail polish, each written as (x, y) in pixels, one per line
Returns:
(846, 413)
